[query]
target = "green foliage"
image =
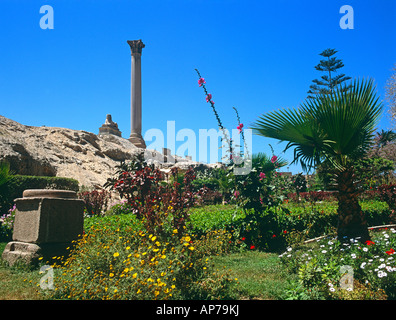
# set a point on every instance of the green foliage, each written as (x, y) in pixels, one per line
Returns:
(328, 82)
(337, 127)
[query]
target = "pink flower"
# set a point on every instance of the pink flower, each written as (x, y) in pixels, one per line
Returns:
(201, 81)
(274, 158)
(262, 176)
(236, 194)
(208, 97)
(240, 127)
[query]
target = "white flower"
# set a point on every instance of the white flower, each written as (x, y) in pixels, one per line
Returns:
(390, 269)
(332, 289)
(363, 265)
(382, 274)
(365, 249)
(353, 256)
(324, 251)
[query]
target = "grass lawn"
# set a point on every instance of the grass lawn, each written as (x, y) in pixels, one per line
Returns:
(260, 276)
(17, 283)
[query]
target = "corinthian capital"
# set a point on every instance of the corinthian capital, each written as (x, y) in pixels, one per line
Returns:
(136, 46)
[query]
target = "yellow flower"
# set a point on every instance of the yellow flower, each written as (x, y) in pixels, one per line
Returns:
(134, 275)
(111, 274)
(187, 238)
(153, 238)
(115, 290)
(126, 270)
(115, 255)
(138, 291)
(127, 248)
(191, 248)
(175, 231)
(156, 293)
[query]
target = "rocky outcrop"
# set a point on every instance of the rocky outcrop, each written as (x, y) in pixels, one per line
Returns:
(50, 151)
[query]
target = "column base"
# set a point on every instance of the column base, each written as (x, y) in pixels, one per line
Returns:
(29, 253)
(137, 140)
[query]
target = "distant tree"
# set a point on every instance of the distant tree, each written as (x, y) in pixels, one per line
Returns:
(384, 137)
(328, 82)
(390, 91)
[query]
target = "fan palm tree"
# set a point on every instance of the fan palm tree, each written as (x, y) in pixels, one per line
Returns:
(384, 137)
(336, 128)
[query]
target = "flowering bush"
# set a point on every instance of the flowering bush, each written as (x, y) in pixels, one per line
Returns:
(7, 224)
(132, 264)
(313, 196)
(329, 267)
(95, 201)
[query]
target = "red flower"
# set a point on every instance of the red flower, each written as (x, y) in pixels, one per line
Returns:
(208, 97)
(240, 127)
(273, 236)
(201, 81)
(391, 251)
(252, 247)
(274, 158)
(369, 242)
(243, 239)
(284, 231)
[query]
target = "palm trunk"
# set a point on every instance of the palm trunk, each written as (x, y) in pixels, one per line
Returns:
(351, 219)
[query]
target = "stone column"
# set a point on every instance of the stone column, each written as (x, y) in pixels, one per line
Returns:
(136, 93)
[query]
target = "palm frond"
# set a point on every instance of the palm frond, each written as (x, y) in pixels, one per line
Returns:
(338, 126)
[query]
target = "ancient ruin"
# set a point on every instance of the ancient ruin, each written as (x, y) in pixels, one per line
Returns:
(136, 93)
(46, 223)
(110, 127)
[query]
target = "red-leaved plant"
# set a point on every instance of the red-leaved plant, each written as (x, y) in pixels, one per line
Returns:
(162, 207)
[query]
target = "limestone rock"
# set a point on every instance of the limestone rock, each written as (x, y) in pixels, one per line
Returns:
(89, 158)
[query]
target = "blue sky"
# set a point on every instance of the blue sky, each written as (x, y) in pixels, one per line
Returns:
(256, 56)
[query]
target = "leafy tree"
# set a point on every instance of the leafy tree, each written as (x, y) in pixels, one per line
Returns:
(337, 128)
(327, 83)
(384, 137)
